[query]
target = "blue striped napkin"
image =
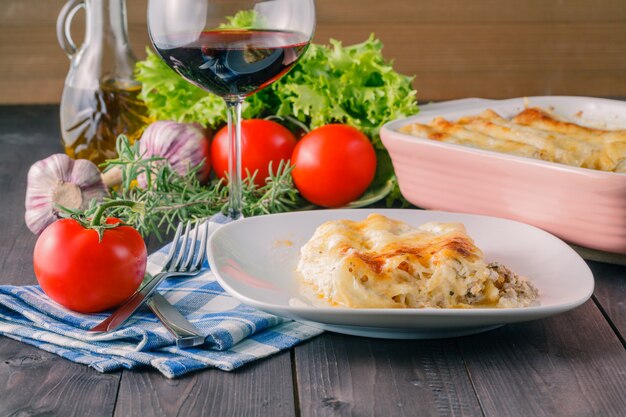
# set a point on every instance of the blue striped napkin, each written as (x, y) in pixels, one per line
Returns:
(236, 334)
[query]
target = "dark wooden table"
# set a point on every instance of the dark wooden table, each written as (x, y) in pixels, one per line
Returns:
(569, 365)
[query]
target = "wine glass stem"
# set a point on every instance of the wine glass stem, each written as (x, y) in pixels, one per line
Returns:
(234, 157)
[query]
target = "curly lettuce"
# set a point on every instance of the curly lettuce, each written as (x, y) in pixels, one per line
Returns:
(332, 83)
(352, 85)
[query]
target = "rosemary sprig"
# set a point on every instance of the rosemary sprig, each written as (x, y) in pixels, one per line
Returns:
(169, 197)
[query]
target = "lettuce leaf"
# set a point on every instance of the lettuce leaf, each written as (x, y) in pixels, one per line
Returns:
(244, 19)
(352, 85)
(332, 83)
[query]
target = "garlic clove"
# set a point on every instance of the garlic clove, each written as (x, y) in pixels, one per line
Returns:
(183, 145)
(60, 181)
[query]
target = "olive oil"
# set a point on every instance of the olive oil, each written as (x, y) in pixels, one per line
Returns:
(91, 119)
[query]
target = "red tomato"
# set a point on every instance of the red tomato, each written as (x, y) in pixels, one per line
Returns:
(333, 165)
(85, 275)
(262, 141)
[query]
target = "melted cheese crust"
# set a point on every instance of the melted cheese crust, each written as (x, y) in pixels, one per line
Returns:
(385, 263)
(533, 133)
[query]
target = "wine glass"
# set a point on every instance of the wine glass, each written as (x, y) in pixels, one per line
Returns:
(231, 48)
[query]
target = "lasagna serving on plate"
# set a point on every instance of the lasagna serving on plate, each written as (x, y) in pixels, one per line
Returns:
(533, 133)
(385, 263)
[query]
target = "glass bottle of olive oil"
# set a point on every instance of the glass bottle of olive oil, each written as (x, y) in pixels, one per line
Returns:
(101, 97)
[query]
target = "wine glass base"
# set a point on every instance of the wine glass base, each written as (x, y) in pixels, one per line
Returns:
(221, 218)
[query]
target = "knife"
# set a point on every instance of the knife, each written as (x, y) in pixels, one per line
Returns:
(130, 306)
(187, 335)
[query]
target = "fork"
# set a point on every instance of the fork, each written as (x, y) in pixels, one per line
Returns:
(180, 261)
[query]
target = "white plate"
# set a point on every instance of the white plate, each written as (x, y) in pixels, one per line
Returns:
(254, 260)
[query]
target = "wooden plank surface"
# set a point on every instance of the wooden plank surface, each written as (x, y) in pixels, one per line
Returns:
(40, 12)
(261, 389)
(569, 365)
(346, 376)
(38, 383)
(27, 134)
(473, 47)
(610, 293)
(485, 48)
(34, 382)
(477, 11)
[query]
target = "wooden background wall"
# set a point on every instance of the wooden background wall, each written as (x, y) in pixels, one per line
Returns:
(456, 48)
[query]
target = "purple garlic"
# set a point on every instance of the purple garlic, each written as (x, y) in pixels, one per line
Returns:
(183, 145)
(60, 181)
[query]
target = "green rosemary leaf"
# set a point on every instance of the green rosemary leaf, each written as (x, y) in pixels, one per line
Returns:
(169, 197)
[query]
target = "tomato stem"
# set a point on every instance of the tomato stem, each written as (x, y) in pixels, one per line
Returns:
(97, 217)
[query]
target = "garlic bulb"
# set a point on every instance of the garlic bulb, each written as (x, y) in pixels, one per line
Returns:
(183, 145)
(60, 181)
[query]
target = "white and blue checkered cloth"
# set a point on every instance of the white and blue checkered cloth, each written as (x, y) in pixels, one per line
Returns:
(236, 334)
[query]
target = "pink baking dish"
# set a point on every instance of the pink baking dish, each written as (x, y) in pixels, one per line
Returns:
(582, 206)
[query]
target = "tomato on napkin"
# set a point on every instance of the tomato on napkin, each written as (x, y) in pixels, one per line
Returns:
(89, 269)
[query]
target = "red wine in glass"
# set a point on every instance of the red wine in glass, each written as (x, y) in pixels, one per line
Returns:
(238, 63)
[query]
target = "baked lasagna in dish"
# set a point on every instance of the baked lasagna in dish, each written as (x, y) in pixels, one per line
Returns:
(385, 263)
(533, 133)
